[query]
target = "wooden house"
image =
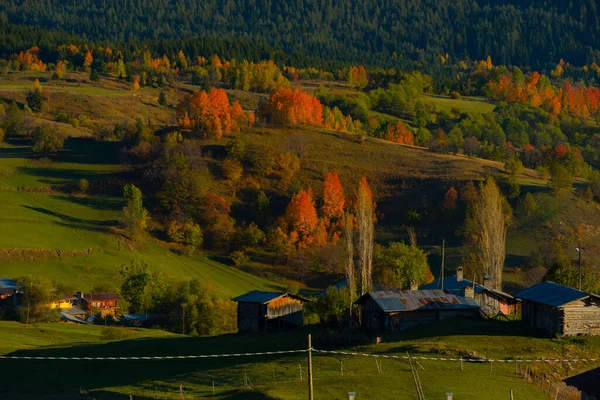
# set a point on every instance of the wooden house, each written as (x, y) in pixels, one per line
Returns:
(259, 311)
(399, 310)
(561, 310)
(588, 383)
(491, 301)
(105, 303)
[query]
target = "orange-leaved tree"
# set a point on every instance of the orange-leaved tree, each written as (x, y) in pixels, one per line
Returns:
(333, 203)
(211, 112)
(293, 107)
(399, 133)
(302, 220)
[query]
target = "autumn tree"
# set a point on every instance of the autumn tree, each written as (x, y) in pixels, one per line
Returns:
(490, 226)
(365, 209)
(450, 199)
(333, 203)
(357, 77)
(293, 107)
(209, 111)
(88, 60)
(302, 220)
(399, 133)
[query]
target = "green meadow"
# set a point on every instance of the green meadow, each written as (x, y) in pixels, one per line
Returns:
(70, 238)
(275, 376)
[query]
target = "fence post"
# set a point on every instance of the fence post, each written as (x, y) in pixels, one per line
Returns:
(310, 375)
(511, 394)
(214, 388)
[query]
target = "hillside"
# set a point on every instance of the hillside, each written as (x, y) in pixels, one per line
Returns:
(277, 376)
(74, 240)
(68, 239)
(386, 33)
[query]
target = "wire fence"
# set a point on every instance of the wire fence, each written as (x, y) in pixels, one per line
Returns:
(285, 373)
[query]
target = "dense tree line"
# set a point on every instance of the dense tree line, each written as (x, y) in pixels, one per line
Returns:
(382, 32)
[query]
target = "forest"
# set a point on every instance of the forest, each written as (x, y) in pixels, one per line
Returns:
(309, 32)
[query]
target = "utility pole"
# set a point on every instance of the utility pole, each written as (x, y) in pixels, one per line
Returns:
(580, 249)
(443, 260)
(310, 374)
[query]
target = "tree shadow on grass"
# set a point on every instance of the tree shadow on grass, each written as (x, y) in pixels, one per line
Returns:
(56, 176)
(469, 327)
(46, 378)
(73, 222)
(95, 202)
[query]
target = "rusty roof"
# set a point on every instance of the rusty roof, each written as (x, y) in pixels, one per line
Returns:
(258, 296)
(413, 300)
(104, 296)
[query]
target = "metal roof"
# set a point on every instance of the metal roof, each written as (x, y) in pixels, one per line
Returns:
(413, 300)
(551, 294)
(72, 311)
(72, 318)
(258, 296)
(7, 283)
(588, 382)
(456, 287)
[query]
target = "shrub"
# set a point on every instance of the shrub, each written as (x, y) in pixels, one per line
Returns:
(513, 166)
(455, 95)
(83, 185)
(239, 258)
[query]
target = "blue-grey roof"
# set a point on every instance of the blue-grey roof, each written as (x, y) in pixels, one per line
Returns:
(551, 294)
(136, 317)
(72, 318)
(452, 285)
(456, 287)
(7, 283)
(258, 296)
(413, 300)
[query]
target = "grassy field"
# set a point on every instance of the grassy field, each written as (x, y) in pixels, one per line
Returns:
(36, 217)
(476, 105)
(276, 376)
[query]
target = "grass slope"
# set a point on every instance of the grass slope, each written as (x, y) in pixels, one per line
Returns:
(277, 376)
(49, 221)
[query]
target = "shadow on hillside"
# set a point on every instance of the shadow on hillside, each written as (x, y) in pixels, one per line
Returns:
(15, 152)
(73, 222)
(46, 378)
(97, 203)
(56, 176)
(468, 327)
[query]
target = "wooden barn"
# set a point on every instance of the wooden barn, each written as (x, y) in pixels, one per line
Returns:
(491, 301)
(399, 310)
(259, 311)
(560, 309)
(588, 383)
